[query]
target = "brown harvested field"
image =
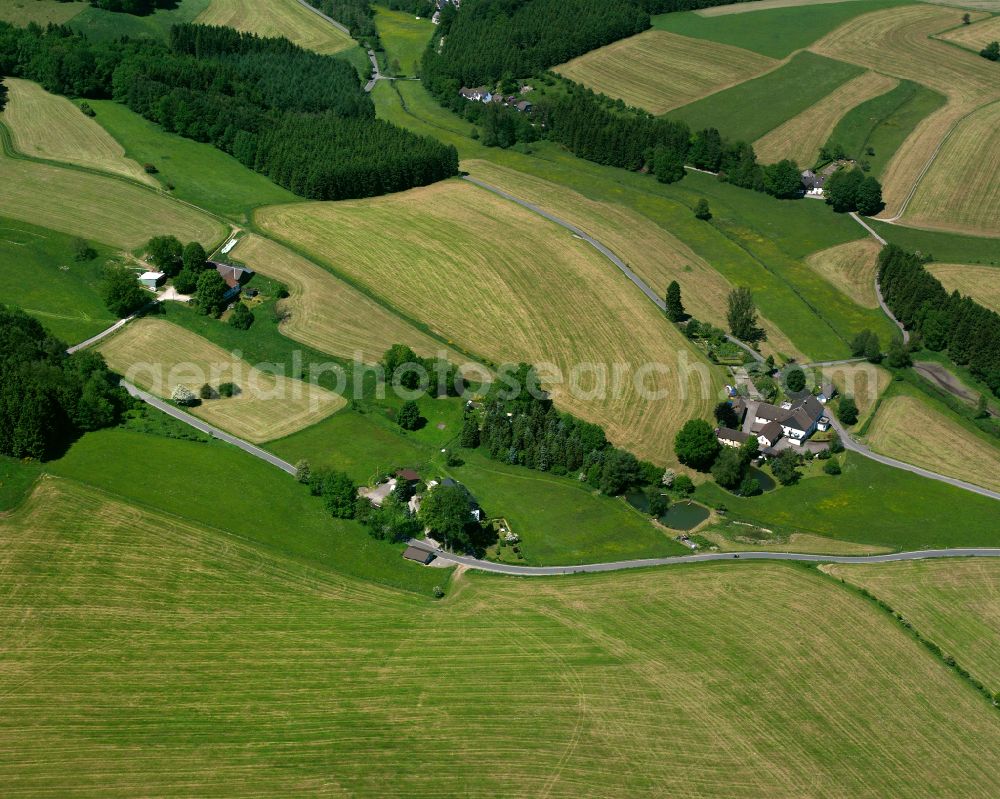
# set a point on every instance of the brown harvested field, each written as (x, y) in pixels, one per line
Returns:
(509, 286)
(761, 5)
(287, 18)
(733, 539)
(863, 381)
(977, 35)
(955, 604)
(897, 42)
(48, 126)
(653, 253)
(96, 207)
(157, 356)
(960, 191)
(658, 71)
(851, 268)
(802, 136)
(907, 428)
(329, 314)
(982, 283)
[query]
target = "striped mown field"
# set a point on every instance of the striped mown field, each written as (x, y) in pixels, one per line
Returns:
(851, 268)
(658, 71)
(956, 605)
(509, 286)
(907, 428)
(652, 252)
(982, 283)
(158, 356)
(802, 136)
(960, 191)
(287, 18)
(977, 35)
(104, 209)
(898, 42)
(329, 314)
(48, 126)
(131, 639)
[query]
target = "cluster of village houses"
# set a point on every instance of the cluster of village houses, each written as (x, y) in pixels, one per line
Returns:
(779, 426)
(439, 5)
(483, 95)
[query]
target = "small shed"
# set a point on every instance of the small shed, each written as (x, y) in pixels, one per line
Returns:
(407, 475)
(419, 554)
(152, 280)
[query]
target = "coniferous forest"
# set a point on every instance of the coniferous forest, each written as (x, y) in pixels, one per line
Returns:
(298, 117)
(967, 331)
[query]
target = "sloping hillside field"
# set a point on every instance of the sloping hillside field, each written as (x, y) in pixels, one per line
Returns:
(982, 283)
(159, 356)
(505, 284)
(132, 639)
(48, 126)
(658, 71)
(288, 18)
(898, 42)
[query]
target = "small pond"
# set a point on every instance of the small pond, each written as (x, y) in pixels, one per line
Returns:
(763, 478)
(684, 515)
(638, 500)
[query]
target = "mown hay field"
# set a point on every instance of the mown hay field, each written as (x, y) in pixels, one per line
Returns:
(802, 136)
(897, 41)
(982, 283)
(906, 428)
(103, 209)
(130, 636)
(865, 382)
(41, 12)
(960, 191)
(329, 314)
(851, 268)
(158, 356)
(955, 604)
(658, 71)
(287, 18)
(48, 126)
(508, 286)
(652, 252)
(975, 36)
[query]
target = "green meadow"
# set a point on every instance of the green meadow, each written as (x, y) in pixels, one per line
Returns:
(775, 32)
(948, 248)
(884, 122)
(404, 38)
(200, 173)
(870, 504)
(111, 26)
(16, 480)
(38, 272)
(749, 110)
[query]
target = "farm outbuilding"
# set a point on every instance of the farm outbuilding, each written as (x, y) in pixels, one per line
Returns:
(419, 554)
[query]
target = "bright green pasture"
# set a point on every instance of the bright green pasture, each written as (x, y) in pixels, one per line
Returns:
(404, 38)
(39, 274)
(16, 480)
(110, 26)
(219, 486)
(749, 110)
(948, 248)
(884, 122)
(775, 32)
(871, 504)
(200, 173)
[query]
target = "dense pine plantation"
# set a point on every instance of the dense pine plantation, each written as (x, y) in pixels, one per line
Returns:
(298, 117)
(969, 332)
(47, 397)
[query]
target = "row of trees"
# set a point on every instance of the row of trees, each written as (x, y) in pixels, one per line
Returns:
(524, 428)
(47, 397)
(967, 331)
(298, 117)
(140, 8)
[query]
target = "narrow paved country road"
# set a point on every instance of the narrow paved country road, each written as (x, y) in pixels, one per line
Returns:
(376, 75)
(621, 565)
(605, 251)
(878, 286)
(331, 20)
(204, 427)
(107, 332)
